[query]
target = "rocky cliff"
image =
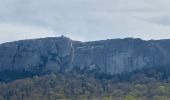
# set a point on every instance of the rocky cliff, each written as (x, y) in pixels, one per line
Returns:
(61, 54)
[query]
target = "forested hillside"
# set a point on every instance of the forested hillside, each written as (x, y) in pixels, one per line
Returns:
(79, 86)
(63, 69)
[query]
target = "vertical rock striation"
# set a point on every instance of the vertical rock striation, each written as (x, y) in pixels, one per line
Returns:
(62, 54)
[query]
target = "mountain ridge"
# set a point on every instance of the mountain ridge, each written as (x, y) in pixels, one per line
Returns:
(63, 55)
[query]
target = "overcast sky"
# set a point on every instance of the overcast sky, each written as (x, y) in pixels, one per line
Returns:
(84, 19)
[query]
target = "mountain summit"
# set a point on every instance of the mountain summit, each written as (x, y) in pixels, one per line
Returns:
(63, 55)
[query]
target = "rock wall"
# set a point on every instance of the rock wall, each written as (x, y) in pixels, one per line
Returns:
(61, 54)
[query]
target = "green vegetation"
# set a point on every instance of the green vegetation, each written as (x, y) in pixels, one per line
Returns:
(146, 84)
(83, 87)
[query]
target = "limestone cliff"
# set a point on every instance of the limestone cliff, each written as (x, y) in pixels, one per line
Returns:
(61, 54)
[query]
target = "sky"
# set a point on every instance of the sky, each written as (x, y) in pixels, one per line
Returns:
(84, 20)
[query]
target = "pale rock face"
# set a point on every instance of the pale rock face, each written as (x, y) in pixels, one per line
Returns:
(35, 54)
(61, 54)
(122, 55)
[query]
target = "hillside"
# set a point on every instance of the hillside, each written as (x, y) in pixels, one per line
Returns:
(75, 86)
(62, 69)
(28, 58)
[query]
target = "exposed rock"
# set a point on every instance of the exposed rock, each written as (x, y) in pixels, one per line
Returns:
(61, 54)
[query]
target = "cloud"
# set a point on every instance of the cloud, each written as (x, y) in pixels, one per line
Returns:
(161, 20)
(13, 32)
(84, 19)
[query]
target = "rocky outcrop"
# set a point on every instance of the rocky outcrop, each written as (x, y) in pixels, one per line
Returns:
(36, 55)
(62, 54)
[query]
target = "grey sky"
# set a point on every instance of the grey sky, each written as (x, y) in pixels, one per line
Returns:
(84, 19)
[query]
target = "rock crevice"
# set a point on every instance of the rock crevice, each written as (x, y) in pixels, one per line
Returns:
(62, 54)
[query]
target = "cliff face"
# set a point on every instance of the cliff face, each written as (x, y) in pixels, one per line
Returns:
(122, 55)
(36, 55)
(63, 55)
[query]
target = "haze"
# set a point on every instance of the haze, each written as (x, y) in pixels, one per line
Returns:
(84, 20)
